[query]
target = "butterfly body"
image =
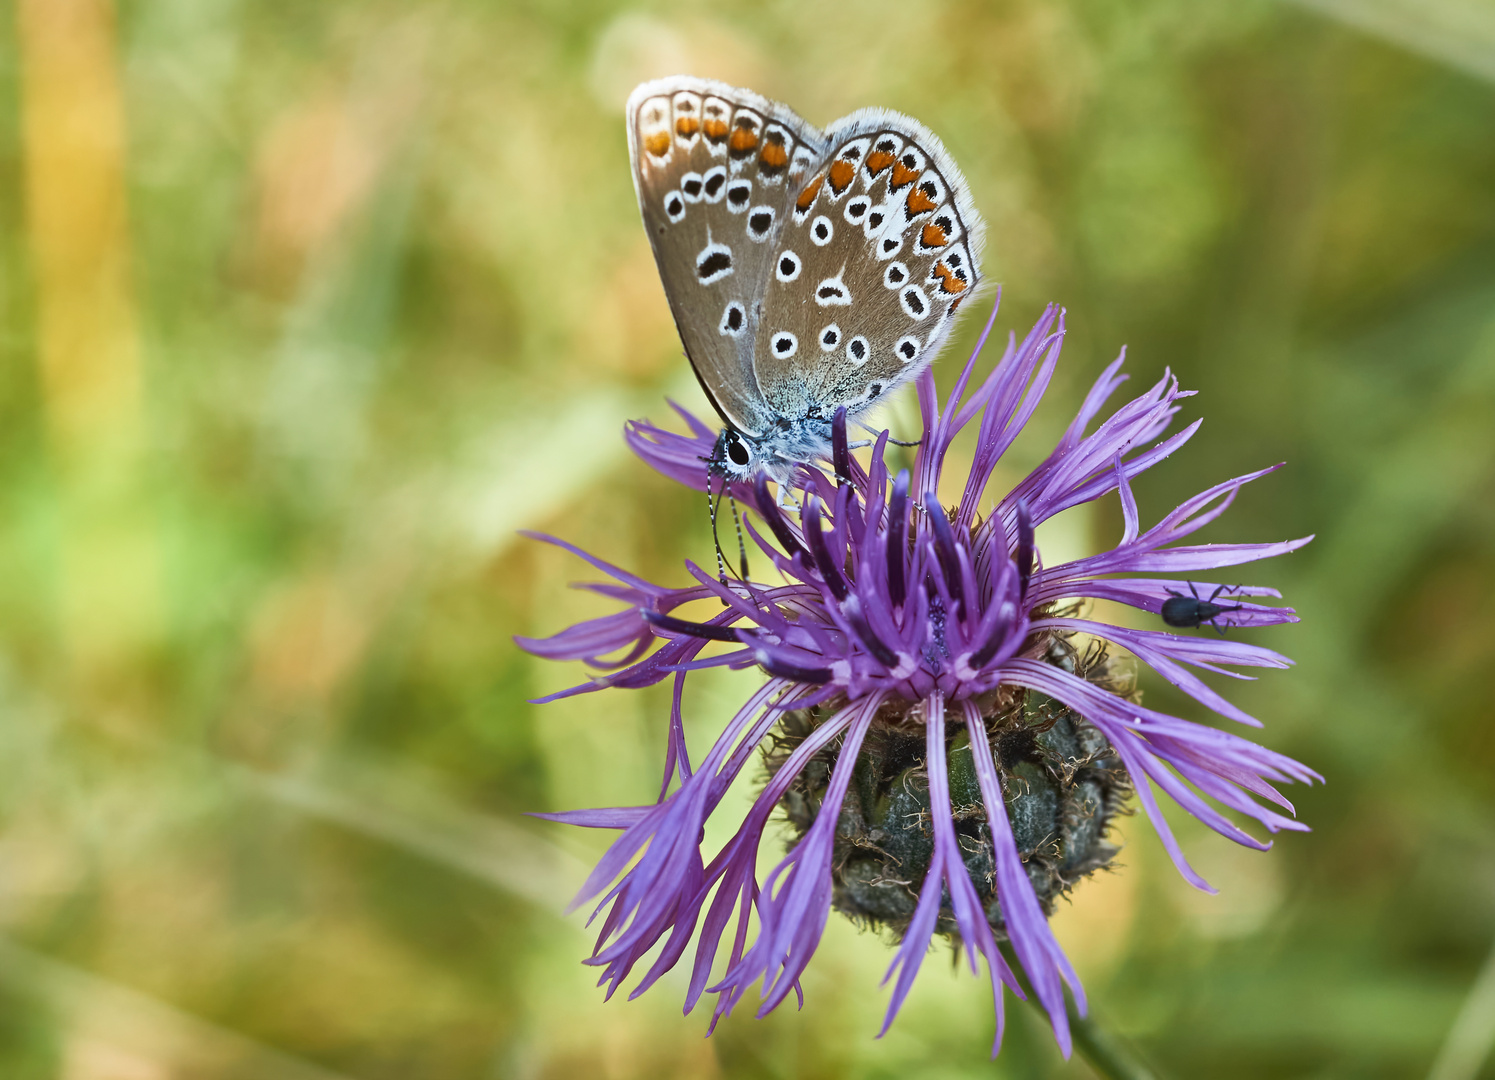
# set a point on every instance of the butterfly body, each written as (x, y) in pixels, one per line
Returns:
(807, 270)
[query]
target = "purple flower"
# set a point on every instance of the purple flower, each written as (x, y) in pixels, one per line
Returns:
(921, 666)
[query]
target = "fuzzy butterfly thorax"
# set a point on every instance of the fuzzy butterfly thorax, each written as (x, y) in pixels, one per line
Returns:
(807, 270)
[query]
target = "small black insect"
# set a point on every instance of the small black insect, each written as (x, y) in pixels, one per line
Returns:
(1185, 611)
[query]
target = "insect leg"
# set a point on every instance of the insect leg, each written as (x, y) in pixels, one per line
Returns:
(874, 432)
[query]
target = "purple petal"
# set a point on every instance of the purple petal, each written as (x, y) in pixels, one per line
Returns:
(1032, 939)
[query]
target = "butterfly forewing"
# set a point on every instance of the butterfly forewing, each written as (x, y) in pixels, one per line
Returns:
(880, 246)
(716, 169)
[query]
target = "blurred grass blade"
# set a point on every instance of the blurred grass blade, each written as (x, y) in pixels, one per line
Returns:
(87, 326)
(114, 1030)
(389, 805)
(536, 464)
(1473, 1032)
(1458, 33)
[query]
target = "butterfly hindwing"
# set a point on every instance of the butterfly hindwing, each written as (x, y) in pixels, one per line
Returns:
(880, 246)
(712, 165)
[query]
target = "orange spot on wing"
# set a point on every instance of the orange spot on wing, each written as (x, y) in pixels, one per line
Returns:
(742, 140)
(773, 155)
(841, 175)
(902, 174)
(877, 161)
(949, 281)
(919, 203)
(687, 126)
(932, 235)
(658, 144)
(807, 196)
(716, 130)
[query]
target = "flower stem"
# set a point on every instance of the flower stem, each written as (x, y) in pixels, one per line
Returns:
(1108, 1055)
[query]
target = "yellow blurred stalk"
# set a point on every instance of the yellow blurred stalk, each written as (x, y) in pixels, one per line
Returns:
(87, 333)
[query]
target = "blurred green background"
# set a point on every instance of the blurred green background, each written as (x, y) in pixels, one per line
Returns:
(306, 307)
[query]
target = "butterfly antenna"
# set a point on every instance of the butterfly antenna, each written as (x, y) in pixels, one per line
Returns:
(711, 501)
(741, 544)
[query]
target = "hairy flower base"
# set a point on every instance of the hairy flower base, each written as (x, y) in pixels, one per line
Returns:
(1063, 785)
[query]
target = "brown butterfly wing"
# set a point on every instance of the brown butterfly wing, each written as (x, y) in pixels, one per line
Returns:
(715, 168)
(881, 246)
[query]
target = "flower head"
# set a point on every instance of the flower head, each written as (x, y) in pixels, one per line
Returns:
(924, 653)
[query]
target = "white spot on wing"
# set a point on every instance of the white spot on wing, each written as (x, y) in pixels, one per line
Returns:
(734, 318)
(760, 223)
(739, 192)
(713, 263)
(716, 109)
(714, 184)
(687, 107)
(915, 304)
(832, 292)
(800, 163)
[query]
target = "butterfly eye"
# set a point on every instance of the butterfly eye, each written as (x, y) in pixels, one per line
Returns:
(857, 209)
(674, 207)
(821, 231)
(907, 348)
(737, 451)
(857, 350)
(785, 344)
(889, 245)
(895, 275)
(830, 337)
(915, 303)
(690, 187)
(788, 267)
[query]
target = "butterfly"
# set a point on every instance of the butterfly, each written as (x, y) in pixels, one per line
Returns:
(807, 271)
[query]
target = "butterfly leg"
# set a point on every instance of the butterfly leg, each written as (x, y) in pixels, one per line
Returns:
(875, 432)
